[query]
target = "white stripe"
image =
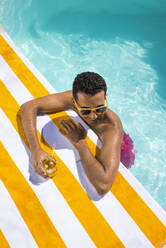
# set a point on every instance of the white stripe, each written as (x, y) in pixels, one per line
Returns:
(13, 226)
(13, 84)
(66, 223)
(65, 151)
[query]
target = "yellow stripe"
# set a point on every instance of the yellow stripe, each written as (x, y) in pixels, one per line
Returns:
(162, 245)
(86, 212)
(29, 207)
(136, 207)
(3, 241)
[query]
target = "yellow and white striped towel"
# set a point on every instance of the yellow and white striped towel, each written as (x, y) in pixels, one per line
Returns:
(64, 211)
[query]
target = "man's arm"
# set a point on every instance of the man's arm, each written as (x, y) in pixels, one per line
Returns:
(102, 170)
(47, 104)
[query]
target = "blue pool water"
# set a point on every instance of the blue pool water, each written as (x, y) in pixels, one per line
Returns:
(124, 41)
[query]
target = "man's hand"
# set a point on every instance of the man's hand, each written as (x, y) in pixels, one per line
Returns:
(73, 132)
(37, 157)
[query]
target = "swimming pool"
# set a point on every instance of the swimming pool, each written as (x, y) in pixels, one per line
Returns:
(125, 43)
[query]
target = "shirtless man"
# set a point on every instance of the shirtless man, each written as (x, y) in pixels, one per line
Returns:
(87, 98)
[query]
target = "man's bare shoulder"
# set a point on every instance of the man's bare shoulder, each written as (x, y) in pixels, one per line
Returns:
(112, 129)
(114, 119)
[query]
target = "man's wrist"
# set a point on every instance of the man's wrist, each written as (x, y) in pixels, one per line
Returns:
(35, 148)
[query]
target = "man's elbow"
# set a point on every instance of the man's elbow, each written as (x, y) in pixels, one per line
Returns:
(103, 189)
(23, 107)
(29, 105)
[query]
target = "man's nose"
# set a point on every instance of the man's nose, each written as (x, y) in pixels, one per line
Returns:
(92, 115)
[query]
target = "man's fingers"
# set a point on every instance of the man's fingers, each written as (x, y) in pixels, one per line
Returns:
(40, 170)
(65, 125)
(72, 123)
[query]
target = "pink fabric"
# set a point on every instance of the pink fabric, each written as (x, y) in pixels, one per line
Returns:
(127, 151)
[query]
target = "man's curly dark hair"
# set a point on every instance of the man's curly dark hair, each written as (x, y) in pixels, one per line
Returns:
(88, 83)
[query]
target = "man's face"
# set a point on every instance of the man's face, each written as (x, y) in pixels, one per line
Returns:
(88, 101)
